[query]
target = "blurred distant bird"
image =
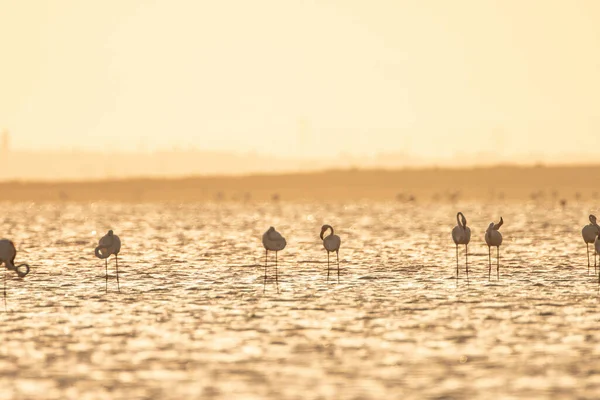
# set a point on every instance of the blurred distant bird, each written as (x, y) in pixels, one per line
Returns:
(493, 238)
(273, 241)
(563, 203)
(590, 233)
(331, 243)
(8, 252)
(109, 244)
(461, 234)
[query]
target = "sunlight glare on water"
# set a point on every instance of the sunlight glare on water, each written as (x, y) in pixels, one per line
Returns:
(192, 320)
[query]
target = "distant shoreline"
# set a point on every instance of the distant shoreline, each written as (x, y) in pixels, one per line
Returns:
(553, 183)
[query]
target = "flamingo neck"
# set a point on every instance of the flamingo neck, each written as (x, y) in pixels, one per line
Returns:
(10, 265)
(459, 221)
(327, 228)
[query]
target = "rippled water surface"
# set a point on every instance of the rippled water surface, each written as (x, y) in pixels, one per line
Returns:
(193, 319)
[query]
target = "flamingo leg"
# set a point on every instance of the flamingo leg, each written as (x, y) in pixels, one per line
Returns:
(106, 275)
(5, 310)
(265, 282)
(594, 259)
(337, 255)
(276, 273)
(467, 259)
(498, 261)
(587, 245)
(456, 261)
(490, 262)
(117, 266)
(327, 265)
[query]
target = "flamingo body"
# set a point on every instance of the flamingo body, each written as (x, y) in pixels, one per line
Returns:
(493, 238)
(107, 245)
(590, 231)
(332, 243)
(461, 235)
(273, 241)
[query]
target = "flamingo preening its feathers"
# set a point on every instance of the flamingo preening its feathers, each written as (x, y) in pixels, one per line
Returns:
(109, 244)
(272, 241)
(493, 238)
(331, 243)
(8, 253)
(461, 234)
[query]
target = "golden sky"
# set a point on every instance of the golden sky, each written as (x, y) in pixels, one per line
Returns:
(302, 78)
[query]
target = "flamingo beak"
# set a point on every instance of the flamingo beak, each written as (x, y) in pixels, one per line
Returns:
(22, 273)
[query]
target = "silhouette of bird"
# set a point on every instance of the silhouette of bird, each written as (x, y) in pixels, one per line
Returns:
(8, 252)
(461, 234)
(331, 243)
(273, 241)
(589, 234)
(493, 238)
(109, 244)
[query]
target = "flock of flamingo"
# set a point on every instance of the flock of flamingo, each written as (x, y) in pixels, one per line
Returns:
(110, 244)
(461, 234)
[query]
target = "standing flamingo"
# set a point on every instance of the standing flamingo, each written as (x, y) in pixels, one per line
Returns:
(331, 243)
(273, 241)
(461, 234)
(109, 244)
(493, 237)
(589, 233)
(8, 252)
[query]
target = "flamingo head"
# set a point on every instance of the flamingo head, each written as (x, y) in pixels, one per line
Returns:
(110, 232)
(593, 219)
(324, 229)
(22, 270)
(499, 224)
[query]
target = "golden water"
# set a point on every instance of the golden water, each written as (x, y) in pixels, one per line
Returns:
(192, 320)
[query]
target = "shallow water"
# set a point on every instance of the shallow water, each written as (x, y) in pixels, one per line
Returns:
(192, 320)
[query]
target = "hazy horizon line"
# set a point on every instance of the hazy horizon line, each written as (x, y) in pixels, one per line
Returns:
(255, 174)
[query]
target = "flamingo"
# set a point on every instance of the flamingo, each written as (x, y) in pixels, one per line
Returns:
(589, 233)
(493, 238)
(8, 252)
(109, 244)
(331, 243)
(461, 234)
(273, 241)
